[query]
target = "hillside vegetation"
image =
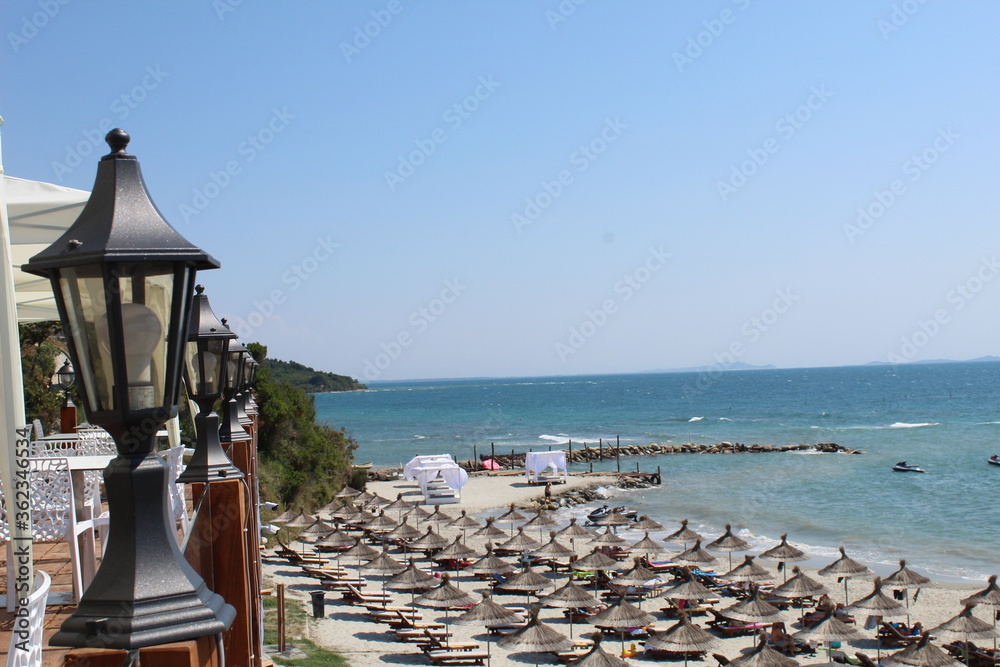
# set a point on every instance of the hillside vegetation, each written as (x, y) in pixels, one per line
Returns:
(300, 462)
(309, 379)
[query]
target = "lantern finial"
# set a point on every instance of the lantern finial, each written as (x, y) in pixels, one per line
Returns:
(118, 140)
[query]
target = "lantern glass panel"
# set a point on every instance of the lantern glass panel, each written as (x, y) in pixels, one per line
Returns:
(205, 367)
(140, 296)
(234, 367)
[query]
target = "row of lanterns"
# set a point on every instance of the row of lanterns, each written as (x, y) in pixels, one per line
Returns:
(124, 284)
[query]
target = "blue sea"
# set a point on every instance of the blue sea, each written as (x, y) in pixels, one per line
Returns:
(942, 417)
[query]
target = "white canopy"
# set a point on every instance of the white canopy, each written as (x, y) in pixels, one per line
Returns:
(536, 463)
(425, 469)
(37, 213)
(32, 216)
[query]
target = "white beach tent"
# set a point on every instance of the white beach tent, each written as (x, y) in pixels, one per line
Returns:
(545, 466)
(32, 216)
(426, 470)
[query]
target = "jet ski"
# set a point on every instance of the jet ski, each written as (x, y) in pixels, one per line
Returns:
(603, 512)
(903, 466)
(995, 460)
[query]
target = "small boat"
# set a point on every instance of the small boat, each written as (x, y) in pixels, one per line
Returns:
(995, 460)
(603, 512)
(903, 466)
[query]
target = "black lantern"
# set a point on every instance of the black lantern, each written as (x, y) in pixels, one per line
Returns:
(232, 430)
(204, 377)
(123, 280)
(66, 375)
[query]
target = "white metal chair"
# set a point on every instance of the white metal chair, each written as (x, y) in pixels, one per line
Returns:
(28, 652)
(54, 518)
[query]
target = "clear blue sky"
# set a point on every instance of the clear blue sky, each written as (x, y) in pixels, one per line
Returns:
(493, 189)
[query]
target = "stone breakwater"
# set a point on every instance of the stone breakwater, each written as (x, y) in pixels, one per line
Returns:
(586, 454)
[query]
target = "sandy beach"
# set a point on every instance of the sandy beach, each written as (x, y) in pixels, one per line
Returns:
(348, 630)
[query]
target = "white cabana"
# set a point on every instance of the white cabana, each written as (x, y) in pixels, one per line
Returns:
(440, 479)
(543, 467)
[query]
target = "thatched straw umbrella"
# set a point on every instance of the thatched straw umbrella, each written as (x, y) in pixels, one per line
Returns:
(381, 524)
(921, 654)
(877, 603)
(683, 637)
(799, 587)
(330, 507)
(747, 572)
(753, 610)
(695, 556)
(608, 538)
(489, 531)
(401, 506)
(300, 520)
(412, 579)
(285, 516)
(445, 597)
(784, 552)
(830, 629)
(347, 492)
(361, 551)
(360, 518)
(637, 576)
(520, 542)
(648, 546)
(614, 519)
(646, 524)
(569, 596)
(989, 597)
(345, 513)
(490, 564)
(511, 516)
(464, 522)
(965, 628)
(541, 520)
(598, 657)
(535, 636)
(620, 616)
(336, 542)
(456, 552)
(683, 535)
(418, 513)
(404, 533)
(439, 516)
(553, 549)
(904, 579)
(728, 543)
(428, 541)
(845, 568)
(527, 581)
(487, 613)
(763, 656)
(689, 588)
(595, 561)
(573, 531)
(362, 499)
(384, 565)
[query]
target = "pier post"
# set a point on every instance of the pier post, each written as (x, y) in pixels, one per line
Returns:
(475, 454)
(493, 453)
(512, 459)
(618, 458)
(570, 451)
(600, 448)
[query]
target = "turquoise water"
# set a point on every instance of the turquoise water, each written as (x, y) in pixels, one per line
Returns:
(943, 417)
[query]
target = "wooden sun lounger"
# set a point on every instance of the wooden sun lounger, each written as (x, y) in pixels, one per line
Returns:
(729, 628)
(411, 635)
(435, 644)
(353, 594)
(457, 657)
(392, 617)
(893, 638)
(405, 620)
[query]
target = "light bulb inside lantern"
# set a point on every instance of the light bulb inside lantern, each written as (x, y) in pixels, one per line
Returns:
(142, 333)
(210, 363)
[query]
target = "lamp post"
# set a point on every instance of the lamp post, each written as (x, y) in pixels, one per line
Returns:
(123, 278)
(67, 413)
(246, 379)
(232, 430)
(204, 377)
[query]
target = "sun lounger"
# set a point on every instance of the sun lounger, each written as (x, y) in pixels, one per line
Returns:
(412, 635)
(865, 660)
(353, 594)
(392, 617)
(457, 657)
(730, 628)
(893, 638)
(435, 644)
(407, 621)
